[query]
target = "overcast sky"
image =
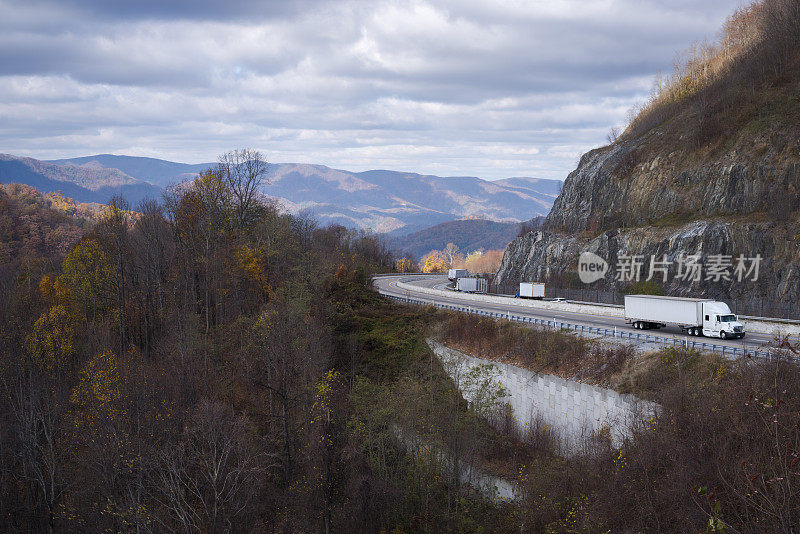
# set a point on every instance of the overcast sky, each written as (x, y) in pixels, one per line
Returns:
(477, 87)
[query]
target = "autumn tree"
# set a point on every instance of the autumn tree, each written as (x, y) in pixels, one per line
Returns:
(152, 259)
(201, 215)
(89, 273)
(484, 262)
(404, 265)
(434, 262)
(288, 353)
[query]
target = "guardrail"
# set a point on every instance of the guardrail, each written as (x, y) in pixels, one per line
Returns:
(778, 320)
(612, 332)
(383, 275)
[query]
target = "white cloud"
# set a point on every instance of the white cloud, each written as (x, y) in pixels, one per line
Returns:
(492, 89)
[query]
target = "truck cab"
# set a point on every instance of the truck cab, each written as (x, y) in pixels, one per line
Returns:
(718, 321)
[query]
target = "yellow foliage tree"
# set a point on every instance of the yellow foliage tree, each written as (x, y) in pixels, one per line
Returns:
(90, 275)
(484, 262)
(51, 343)
(435, 262)
(252, 263)
(97, 394)
(404, 265)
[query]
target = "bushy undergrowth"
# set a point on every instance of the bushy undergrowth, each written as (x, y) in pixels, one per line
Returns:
(722, 454)
(731, 84)
(540, 350)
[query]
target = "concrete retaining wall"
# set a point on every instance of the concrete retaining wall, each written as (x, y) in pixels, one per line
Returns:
(574, 409)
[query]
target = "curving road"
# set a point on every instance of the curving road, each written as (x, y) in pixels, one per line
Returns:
(388, 286)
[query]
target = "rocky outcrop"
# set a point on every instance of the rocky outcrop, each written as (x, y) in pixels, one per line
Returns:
(545, 256)
(631, 183)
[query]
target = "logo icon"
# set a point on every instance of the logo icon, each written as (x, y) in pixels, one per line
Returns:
(591, 267)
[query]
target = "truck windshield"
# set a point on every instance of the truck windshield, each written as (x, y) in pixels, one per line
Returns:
(727, 318)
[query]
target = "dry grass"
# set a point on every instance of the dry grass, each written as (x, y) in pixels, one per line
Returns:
(542, 351)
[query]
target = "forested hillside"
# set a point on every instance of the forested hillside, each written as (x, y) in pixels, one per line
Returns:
(208, 364)
(467, 234)
(36, 231)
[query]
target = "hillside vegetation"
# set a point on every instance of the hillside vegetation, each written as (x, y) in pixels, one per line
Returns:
(466, 234)
(722, 455)
(746, 82)
(212, 365)
(720, 136)
(208, 365)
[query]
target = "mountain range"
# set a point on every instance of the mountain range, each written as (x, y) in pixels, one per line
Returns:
(383, 201)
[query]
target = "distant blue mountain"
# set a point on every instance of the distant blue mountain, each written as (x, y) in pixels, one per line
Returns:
(381, 200)
(81, 184)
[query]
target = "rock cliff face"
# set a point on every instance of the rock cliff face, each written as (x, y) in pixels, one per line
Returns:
(547, 256)
(636, 183)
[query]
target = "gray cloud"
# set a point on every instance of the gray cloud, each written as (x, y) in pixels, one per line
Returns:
(451, 87)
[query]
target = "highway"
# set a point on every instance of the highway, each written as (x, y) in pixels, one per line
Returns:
(388, 286)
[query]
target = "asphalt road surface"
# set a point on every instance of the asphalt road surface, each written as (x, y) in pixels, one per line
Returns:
(388, 285)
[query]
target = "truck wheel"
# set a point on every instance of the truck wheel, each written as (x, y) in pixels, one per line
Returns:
(723, 335)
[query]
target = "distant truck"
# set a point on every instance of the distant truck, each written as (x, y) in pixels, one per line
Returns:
(454, 274)
(531, 290)
(471, 285)
(696, 317)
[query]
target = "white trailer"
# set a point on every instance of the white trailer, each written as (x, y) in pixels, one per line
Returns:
(454, 274)
(471, 285)
(531, 290)
(696, 317)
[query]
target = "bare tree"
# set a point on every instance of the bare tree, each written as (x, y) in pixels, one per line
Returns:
(114, 228)
(451, 251)
(153, 252)
(613, 135)
(288, 354)
(243, 171)
(208, 480)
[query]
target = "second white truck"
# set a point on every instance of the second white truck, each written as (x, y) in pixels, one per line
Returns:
(471, 285)
(531, 290)
(696, 317)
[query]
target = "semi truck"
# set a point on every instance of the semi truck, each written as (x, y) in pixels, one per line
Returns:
(695, 317)
(531, 290)
(471, 285)
(454, 274)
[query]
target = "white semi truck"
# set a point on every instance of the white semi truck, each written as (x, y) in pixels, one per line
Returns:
(531, 290)
(471, 285)
(696, 317)
(454, 274)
